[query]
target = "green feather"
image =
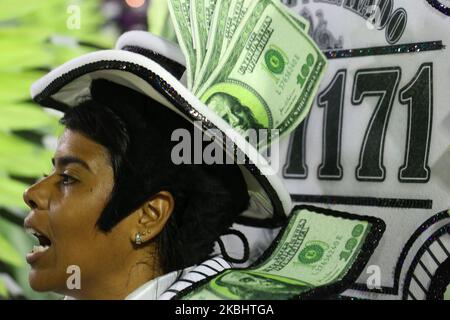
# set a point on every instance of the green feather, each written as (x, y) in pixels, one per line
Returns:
(22, 158)
(26, 116)
(8, 254)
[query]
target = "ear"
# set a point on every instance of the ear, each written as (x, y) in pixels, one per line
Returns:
(153, 216)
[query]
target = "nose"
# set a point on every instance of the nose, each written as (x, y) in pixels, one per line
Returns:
(233, 119)
(35, 196)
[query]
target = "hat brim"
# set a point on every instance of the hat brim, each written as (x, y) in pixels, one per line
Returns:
(64, 86)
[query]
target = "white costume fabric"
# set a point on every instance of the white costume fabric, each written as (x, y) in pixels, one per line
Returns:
(377, 139)
(167, 286)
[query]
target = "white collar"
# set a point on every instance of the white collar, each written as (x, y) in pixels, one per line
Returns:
(167, 286)
(153, 289)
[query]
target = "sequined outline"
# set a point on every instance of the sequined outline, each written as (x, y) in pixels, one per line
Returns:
(404, 253)
(364, 201)
(385, 50)
(437, 286)
(172, 66)
(439, 6)
(441, 231)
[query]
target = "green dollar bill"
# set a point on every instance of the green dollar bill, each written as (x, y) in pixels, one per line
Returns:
(201, 13)
(220, 36)
(314, 250)
(158, 20)
(269, 74)
(213, 42)
(181, 18)
(237, 11)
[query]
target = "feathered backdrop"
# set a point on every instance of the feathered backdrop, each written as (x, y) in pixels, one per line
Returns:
(36, 36)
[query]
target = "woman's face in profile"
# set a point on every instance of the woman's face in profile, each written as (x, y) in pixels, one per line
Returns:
(65, 206)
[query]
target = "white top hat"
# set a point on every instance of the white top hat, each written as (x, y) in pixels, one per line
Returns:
(154, 67)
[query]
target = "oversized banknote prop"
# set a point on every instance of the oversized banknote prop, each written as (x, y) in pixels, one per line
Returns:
(318, 253)
(251, 61)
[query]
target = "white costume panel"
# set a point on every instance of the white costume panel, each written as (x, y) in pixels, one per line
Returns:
(377, 139)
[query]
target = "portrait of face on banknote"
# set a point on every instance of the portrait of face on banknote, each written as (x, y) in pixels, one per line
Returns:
(233, 111)
(250, 286)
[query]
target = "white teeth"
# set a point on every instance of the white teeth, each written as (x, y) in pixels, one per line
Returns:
(40, 248)
(32, 232)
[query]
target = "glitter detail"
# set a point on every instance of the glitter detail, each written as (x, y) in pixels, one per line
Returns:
(413, 266)
(403, 255)
(364, 201)
(440, 6)
(385, 50)
(175, 68)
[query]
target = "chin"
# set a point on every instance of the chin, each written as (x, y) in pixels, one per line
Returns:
(43, 281)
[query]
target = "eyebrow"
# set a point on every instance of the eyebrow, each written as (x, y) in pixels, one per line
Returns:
(66, 160)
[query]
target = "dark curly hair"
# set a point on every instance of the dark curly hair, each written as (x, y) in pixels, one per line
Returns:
(137, 130)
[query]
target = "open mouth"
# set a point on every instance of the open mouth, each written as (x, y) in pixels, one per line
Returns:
(44, 242)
